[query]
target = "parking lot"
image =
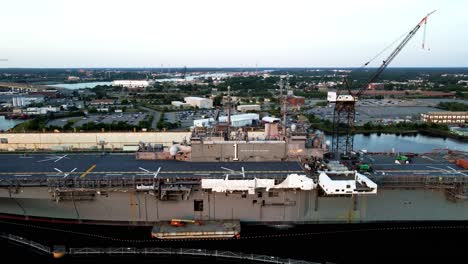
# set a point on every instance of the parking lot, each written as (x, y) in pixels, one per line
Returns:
(129, 118)
(385, 111)
(186, 117)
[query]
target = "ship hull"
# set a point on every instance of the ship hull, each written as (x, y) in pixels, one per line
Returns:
(142, 208)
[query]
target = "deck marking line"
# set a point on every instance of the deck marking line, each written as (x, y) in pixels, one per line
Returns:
(455, 171)
(61, 157)
(440, 169)
(47, 159)
(88, 171)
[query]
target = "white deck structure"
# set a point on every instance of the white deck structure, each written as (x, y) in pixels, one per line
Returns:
(346, 182)
(293, 181)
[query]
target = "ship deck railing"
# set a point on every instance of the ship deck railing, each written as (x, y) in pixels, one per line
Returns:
(420, 181)
(89, 251)
(26, 242)
(111, 182)
(187, 252)
(409, 181)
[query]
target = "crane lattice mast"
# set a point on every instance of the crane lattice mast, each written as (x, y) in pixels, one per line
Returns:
(344, 112)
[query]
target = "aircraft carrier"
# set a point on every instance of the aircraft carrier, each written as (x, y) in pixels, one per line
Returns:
(126, 189)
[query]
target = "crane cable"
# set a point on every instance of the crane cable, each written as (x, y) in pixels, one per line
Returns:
(424, 36)
(385, 49)
(380, 53)
(395, 41)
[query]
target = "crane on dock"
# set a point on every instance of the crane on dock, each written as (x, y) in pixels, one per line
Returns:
(345, 100)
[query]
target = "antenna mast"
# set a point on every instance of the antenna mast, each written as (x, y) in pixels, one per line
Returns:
(229, 111)
(283, 107)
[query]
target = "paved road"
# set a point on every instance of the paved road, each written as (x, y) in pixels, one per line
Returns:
(156, 116)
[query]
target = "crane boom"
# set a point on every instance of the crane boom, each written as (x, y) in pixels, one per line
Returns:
(344, 112)
(397, 50)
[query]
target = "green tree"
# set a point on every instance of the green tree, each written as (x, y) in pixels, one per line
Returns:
(217, 100)
(368, 126)
(453, 106)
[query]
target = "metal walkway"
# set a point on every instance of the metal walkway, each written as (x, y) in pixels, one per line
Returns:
(116, 251)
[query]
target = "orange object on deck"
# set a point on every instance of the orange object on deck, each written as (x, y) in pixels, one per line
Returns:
(462, 163)
(180, 222)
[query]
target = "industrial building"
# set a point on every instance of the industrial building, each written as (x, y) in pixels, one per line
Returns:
(25, 100)
(394, 94)
(132, 84)
(73, 78)
(200, 102)
(180, 104)
(41, 110)
(50, 93)
(241, 120)
(97, 102)
(236, 120)
(374, 86)
(445, 117)
(295, 102)
(270, 119)
(205, 122)
(245, 108)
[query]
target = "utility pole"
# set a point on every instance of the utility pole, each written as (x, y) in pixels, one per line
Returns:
(283, 108)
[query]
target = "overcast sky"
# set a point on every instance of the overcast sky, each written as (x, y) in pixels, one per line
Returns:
(227, 33)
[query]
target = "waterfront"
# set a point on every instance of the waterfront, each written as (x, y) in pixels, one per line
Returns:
(6, 124)
(417, 143)
(374, 142)
(75, 86)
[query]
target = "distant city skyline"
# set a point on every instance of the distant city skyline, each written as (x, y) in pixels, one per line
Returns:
(242, 33)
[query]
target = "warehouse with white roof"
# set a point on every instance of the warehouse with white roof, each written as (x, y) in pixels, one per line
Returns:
(200, 102)
(236, 120)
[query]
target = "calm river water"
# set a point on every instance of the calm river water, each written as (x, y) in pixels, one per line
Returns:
(405, 143)
(8, 123)
(74, 86)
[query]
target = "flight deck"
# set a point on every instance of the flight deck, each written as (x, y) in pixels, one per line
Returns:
(420, 165)
(125, 165)
(81, 165)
